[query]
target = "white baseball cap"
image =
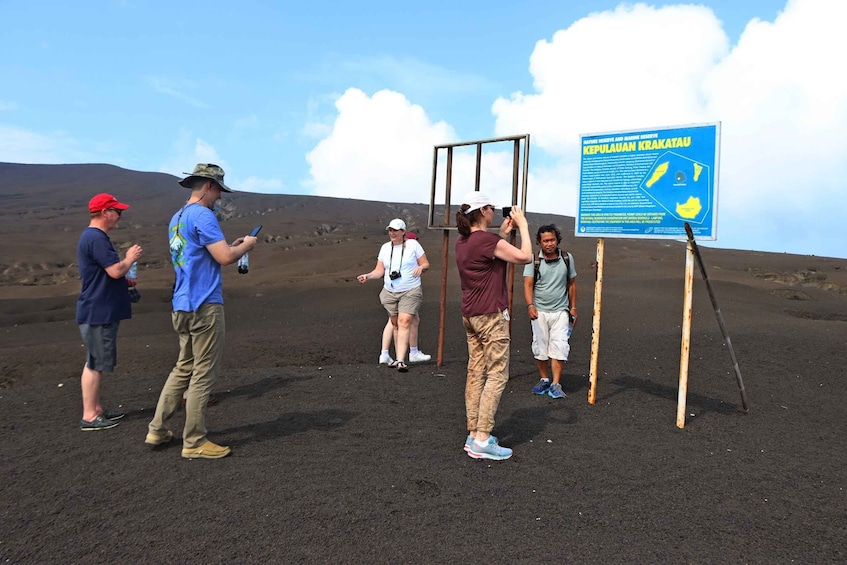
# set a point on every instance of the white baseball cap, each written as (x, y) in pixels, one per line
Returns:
(476, 200)
(396, 224)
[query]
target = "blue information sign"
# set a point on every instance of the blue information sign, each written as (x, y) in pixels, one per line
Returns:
(649, 183)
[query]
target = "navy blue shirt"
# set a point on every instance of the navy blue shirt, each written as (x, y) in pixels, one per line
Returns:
(103, 300)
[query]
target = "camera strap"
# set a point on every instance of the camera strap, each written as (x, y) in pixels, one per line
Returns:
(391, 257)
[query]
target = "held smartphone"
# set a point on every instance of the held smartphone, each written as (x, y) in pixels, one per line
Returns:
(506, 211)
(256, 231)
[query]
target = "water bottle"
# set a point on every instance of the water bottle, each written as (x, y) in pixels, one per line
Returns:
(243, 264)
(131, 281)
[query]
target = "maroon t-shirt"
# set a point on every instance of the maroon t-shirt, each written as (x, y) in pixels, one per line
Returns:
(483, 276)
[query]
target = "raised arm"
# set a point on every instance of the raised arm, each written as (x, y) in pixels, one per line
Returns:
(508, 252)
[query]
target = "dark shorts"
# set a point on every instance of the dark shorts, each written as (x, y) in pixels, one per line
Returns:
(101, 344)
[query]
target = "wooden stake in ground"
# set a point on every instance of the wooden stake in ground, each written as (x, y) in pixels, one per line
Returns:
(718, 315)
(595, 333)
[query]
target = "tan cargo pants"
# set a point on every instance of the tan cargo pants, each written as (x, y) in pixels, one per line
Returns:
(488, 368)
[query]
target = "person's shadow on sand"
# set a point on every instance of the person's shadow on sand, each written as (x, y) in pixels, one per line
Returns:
(252, 391)
(526, 424)
(288, 424)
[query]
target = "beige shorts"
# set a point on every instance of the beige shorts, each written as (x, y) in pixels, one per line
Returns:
(407, 302)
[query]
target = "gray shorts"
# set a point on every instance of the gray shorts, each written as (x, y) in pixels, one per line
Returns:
(101, 344)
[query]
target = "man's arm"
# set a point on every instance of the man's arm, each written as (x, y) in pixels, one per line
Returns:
(226, 254)
(572, 296)
(121, 268)
(529, 296)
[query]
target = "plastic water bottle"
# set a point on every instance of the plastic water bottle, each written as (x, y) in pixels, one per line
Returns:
(131, 281)
(243, 264)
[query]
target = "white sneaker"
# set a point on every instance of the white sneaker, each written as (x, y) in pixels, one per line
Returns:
(419, 357)
(385, 359)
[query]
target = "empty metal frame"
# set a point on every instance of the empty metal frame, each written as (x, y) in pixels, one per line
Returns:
(520, 172)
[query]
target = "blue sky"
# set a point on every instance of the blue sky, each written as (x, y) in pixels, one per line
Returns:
(347, 99)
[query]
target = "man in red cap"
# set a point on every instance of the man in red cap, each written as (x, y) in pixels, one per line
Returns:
(103, 302)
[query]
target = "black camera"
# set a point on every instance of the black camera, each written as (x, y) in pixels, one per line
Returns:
(506, 211)
(394, 275)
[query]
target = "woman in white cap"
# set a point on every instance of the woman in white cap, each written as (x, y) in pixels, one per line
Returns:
(415, 354)
(482, 258)
(400, 264)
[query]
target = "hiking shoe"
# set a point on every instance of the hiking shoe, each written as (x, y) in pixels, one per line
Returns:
(208, 450)
(555, 391)
(112, 414)
(402, 367)
(98, 423)
(541, 387)
(156, 439)
(419, 357)
(491, 450)
(385, 359)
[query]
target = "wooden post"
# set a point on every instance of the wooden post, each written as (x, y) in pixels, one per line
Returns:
(686, 336)
(718, 315)
(595, 333)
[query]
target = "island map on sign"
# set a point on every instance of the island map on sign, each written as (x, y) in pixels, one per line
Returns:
(679, 185)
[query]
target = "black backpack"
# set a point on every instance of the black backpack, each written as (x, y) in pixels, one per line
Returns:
(536, 262)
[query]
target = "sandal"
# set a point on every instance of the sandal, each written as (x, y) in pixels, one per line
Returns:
(402, 367)
(394, 364)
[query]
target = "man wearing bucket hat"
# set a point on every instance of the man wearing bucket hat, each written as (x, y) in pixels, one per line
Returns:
(198, 250)
(103, 302)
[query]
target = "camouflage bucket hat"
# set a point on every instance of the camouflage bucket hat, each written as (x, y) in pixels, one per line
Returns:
(206, 171)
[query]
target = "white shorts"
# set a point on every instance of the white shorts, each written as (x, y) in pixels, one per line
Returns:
(550, 334)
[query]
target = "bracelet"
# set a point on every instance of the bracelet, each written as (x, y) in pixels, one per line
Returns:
(530, 305)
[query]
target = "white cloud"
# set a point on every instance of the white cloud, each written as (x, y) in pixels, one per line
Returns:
(187, 151)
(778, 94)
(636, 66)
(18, 145)
(379, 148)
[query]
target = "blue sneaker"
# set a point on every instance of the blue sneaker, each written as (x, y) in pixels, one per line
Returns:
(555, 391)
(491, 450)
(541, 387)
(469, 441)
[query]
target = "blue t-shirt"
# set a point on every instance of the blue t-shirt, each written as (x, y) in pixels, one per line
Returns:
(103, 300)
(198, 274)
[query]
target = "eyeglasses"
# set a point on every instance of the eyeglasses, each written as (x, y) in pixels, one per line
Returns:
(115, 210)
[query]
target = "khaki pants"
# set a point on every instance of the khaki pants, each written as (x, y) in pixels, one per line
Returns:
(201, 344)
(488, 368)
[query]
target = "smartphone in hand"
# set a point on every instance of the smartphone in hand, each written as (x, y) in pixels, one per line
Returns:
(506, 211)
(256, 231)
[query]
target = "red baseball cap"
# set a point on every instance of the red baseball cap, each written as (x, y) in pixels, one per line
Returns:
(103, 201)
